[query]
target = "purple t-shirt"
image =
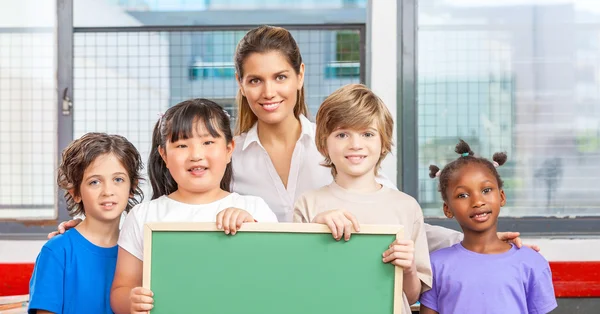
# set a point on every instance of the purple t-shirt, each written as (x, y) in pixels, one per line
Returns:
(517, 281)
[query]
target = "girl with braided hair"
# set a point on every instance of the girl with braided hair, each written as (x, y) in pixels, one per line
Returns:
(483, 274)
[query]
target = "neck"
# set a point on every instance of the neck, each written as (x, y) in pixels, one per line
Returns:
(286, 132)
(197, 198)
(365, 183)
(100, 233)
(485, 242)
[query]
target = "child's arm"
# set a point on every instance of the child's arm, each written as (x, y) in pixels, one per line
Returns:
(47, 282)
(43, 312)
(401, 253)
(540, 292)
(126, 294)
(426, 310)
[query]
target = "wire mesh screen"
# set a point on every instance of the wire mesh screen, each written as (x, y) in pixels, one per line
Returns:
(122, 80)
(27, 124)
(512, 88)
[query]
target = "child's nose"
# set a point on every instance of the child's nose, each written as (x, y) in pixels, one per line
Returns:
(197, 153)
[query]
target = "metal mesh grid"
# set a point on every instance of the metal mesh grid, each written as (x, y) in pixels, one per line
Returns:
(122, 80)
(27, 124)
(483, 86)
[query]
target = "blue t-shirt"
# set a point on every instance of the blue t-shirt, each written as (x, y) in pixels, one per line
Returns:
(517, 281)
(72, 275)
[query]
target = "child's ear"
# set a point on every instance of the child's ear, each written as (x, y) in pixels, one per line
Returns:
(230, 148)
(76, 198)
(502, 198)
(447, 211)
(163, 154)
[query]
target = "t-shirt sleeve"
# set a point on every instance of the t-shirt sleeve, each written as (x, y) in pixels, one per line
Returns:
(540, 295)
(47, 282)
(131, 237)
(429, 298)
(440, 237)
(301, 210)
(262, 212)
(421, 250)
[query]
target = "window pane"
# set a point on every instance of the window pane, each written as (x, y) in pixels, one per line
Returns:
(99, 13)
(520, 78)
(27, 109)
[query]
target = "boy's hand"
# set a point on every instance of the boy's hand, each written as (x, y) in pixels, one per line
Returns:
(401, 253)
(513, 237)
(339, 221)
(141, 300)
(64, 226)
(231, 219)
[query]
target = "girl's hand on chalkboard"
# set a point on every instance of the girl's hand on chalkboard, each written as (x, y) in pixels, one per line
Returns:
(339, 221)
(231, 219)
(401, 253)
(141, 300)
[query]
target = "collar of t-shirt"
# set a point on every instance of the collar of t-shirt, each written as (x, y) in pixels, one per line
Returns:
(308, 130)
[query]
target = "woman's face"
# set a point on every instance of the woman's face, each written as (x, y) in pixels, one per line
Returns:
(271, 85)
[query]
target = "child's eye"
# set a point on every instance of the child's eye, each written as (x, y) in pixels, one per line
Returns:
(281, 77)
(462, 195)
(119, 180)
(254, 81)
(342, 135)
(209, 142)
(487, 190)
(94, 182)
(181, 146)
(369, 134)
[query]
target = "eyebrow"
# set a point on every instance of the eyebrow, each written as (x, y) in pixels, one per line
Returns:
(464, 187)
(276, 74)
(99, 176)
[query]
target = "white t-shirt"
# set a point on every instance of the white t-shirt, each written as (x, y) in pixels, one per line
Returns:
(254, 173)
(164, 209)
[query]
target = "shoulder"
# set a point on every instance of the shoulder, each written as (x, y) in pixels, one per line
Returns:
(239, 141)
(61, 242)
(531, 258)
(243, 201)
(444, 255)
(403, 200)
(321, 192)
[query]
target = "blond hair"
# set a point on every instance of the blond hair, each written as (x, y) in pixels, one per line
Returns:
(353, 106)
(265, 39)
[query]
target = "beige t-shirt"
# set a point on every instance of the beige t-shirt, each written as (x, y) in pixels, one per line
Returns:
(385, 206)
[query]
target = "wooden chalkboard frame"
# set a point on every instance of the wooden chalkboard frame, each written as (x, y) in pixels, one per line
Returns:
(149, 228)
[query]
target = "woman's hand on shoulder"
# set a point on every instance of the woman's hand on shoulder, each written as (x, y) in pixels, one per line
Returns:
(64, 226)
(513, 237)
(231, 219)
(141, 300)
(339, 221)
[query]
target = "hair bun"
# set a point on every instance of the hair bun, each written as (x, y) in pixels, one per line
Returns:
(433, 171)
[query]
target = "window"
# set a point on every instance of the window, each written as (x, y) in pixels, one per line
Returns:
(520, 78)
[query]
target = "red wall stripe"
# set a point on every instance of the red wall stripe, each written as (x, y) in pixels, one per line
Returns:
(571, 279)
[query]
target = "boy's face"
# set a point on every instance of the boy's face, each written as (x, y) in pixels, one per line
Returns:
(473, 198)
(354, 153)
(105, 189)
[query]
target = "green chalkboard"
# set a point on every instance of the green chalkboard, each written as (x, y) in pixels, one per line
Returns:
(270, 268)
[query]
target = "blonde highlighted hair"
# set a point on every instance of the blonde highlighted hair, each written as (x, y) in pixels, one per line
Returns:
(355, 107)
(265, 39)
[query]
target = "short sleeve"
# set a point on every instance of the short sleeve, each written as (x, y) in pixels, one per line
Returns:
(301, 210)
(540, 295)
(421, 250)
(429, 298)
(262, 211)
(440, 237)
(131, 238)
(47, 282)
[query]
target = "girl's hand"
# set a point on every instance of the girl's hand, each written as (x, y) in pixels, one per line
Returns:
(141, 300)
(513, 237)
(231, 219)
(401, 253)
(339, 221)
(64, 226)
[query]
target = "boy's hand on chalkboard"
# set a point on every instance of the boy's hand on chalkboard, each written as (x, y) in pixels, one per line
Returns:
(340, 222)
(401, 253)
(64, 226)
(141, 300)
(231, 219)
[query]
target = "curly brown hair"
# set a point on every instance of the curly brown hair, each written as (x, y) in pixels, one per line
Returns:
(82, 152)
(466, 157)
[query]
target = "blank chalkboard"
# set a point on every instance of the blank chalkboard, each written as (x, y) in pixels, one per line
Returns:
(270, 268)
